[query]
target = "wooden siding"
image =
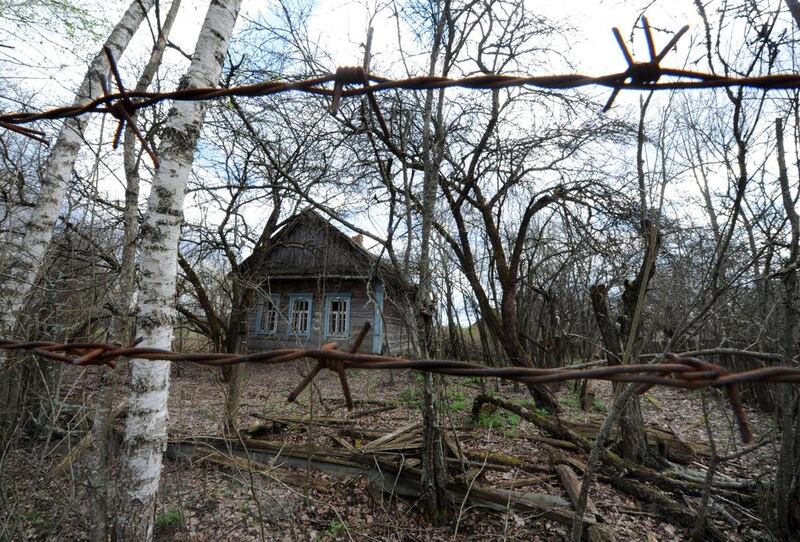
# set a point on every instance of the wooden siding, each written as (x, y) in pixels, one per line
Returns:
(362, 309)
(396, 341)
(310, 256)
(316, 249)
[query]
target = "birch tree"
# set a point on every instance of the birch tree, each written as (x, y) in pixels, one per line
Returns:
(146, 425)
(23, 268)
(122, 324)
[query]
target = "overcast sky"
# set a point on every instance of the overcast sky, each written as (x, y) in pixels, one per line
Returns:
(50, 66)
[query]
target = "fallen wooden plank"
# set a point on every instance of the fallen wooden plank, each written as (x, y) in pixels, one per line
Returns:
(299, 479)
(372, 411)
(404, 446)
(565, 444)
(302, 420)
(530, 497)
(519, 482)
(451, 445)
(557, 457)
(671, 446)
(286, 457)
(390, 436)
(374, 433)
(572, 485)
(495, 457)
(394, 478)
(341, 442)
(360, 434)
(554, 426)
(550, 506)
(668, 507)
(466, 463)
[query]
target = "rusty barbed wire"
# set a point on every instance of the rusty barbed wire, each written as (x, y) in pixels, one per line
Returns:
(124, 110)
(675, 371)
(638, 76)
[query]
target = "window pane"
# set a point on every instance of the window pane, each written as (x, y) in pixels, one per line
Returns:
(337, 316)
(272, 316)
(301, 315)
(268, 320)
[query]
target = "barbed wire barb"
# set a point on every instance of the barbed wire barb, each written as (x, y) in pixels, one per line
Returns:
(124, 110)
(643, 73)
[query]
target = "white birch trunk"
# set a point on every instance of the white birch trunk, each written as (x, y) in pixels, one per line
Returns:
(25, 264)
(121, 328)
(146, 425)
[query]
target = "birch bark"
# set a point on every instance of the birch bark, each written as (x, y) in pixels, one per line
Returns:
(23, 267)
(122, 326)
(146, 425)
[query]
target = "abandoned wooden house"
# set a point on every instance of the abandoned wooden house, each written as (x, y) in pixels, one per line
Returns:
(318, 285)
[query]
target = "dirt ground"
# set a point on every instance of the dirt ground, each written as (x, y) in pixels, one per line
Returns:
(203, 501)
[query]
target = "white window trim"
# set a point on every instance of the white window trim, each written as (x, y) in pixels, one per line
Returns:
(292, 299)
(326, 319)
(272, 300)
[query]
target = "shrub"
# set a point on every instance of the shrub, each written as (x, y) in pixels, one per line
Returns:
(457, 400)
(411, 397)
(335, 530)
(497, 419)
(172, 518)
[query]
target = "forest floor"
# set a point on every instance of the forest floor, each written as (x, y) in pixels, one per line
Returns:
(207, 501)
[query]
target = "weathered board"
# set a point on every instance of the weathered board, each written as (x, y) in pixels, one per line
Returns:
(362, 309)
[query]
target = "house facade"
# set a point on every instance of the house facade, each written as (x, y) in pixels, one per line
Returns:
(318, 285)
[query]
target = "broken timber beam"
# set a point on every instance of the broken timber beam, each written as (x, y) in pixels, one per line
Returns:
(392, 477)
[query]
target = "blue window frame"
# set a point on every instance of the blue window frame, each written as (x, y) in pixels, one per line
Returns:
(336, 319)
(267, 314)
(301, 308)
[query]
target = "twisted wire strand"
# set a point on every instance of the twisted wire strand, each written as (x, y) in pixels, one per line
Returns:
(673, 371)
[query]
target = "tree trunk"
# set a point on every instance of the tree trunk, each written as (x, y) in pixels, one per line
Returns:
(633, 442)
(24, 264)
(24, 268)
(623, 342)
(434, 474)
(785, 520)
(244, 292)
(146, 426)
(506, 330)
(236, 376)
(122, 327)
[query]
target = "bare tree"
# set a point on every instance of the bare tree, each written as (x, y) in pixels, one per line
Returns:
(146, 425)
(122, 323)
(22, 271)
(785, 517)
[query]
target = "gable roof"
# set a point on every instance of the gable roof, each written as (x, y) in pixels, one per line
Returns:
(309, 246)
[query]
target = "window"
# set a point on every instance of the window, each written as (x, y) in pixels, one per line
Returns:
(300, 314)
(337, 315)
(267, 315)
